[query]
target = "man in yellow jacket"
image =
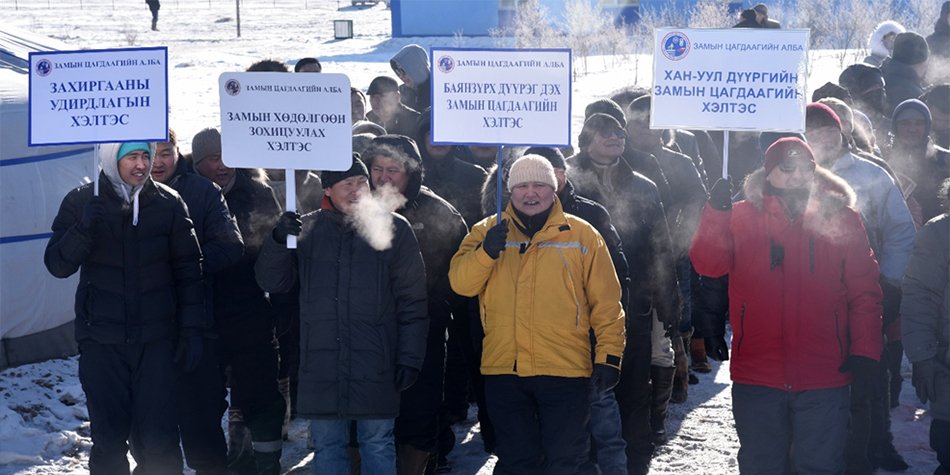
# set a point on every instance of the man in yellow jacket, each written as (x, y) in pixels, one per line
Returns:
(546, 284)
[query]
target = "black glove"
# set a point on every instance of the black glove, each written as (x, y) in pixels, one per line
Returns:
(717, 348)
(720, 195)
(892, 302)
(866, 376)
(405, 377)
(604, 377)
(495, 239)
(925, 379)
(92, 214)
(190, 348)
(289, 223)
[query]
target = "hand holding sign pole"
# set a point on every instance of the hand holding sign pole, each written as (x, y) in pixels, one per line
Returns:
(286, 121)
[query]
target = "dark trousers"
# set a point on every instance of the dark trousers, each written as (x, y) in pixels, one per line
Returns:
(940, 442)
(129, 391)
(250, 349)
(634, 394)
(541, 424)
(420, 405)
(810, 426)
(200, 403)
(153, 6)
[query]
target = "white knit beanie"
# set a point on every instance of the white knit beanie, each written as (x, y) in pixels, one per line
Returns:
(531, 168)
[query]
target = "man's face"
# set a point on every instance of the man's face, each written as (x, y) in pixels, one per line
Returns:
(940, 121)
(484, 151)
(825, 142)
(888, 41)
(561, 175)
(214, 169)
(792, 174)
(405, 78)
(133, 167)
(346, 193)
(910, 131)
(386, 171)
(166, 158)
(437, 152)
(385, 104)
(760, 18)
(357, 107)
(607, 145)
(873, 98)
(532, 198)
(640, 135)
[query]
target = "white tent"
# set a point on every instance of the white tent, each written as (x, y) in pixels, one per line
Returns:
(36, 309)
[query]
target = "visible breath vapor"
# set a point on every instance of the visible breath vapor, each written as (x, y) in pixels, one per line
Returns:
(373, 219)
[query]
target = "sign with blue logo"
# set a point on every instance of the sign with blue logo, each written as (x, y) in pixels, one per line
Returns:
(286, 121)
(501, 96)
(730, 79)
(98, 96)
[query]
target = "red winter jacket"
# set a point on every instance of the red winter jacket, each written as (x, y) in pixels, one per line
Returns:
(795, 322)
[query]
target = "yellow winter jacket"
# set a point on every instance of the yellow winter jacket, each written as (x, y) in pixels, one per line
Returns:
(541, 297)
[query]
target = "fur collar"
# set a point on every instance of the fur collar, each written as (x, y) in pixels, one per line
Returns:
(829, 192)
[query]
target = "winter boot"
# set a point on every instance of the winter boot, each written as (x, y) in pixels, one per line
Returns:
(283, 385)
(681, 378)
(662, 379)
(240, 454)
(410, 460)
(697, 349)
(268, 463)
(154, 24)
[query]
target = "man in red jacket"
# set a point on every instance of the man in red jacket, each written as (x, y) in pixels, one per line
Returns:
(805, 308)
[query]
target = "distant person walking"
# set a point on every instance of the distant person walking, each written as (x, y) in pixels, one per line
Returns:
(153, 6)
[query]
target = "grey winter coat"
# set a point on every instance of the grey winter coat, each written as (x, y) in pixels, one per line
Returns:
(925, 307)
(362, 312)
(887, 220)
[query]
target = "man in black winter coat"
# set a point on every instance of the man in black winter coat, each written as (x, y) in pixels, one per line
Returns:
(600, 173)
(395, 168)
(200, 395)
(244, 314)
(363, 317)
(388, 109)
(139, 293)
(906, 70)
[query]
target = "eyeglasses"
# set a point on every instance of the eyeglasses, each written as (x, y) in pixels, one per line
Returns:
(617, 133)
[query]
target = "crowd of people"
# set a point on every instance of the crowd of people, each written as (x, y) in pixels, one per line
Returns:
(572, 312)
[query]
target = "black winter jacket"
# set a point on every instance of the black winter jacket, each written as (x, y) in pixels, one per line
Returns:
(237, 295)
(362, 312)
(900, 83)
(637, 213)
(136, 283)
(217, 231)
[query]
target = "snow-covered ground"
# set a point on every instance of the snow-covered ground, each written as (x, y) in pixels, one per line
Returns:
(43, 420)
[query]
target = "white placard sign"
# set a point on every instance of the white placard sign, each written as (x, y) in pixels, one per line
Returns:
(286, 121)
(730, 79)
(501, 96)
(97, 96)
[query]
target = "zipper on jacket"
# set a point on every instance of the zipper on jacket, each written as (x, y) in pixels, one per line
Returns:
(577, 305)
(838, 336)
(741, 327)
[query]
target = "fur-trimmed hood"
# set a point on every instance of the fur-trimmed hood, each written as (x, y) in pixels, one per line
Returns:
(876, 40)
(829, 193)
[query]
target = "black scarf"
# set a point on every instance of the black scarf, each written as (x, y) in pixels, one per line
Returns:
(532, 224)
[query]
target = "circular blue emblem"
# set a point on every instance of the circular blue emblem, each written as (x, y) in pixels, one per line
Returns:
(675, 46)
(44, 67)
(233, 87)
(446, 64)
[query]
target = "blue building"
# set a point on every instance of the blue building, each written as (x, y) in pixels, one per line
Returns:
(479, 17)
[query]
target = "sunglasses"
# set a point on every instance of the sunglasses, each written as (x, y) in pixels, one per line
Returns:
(617, 133)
